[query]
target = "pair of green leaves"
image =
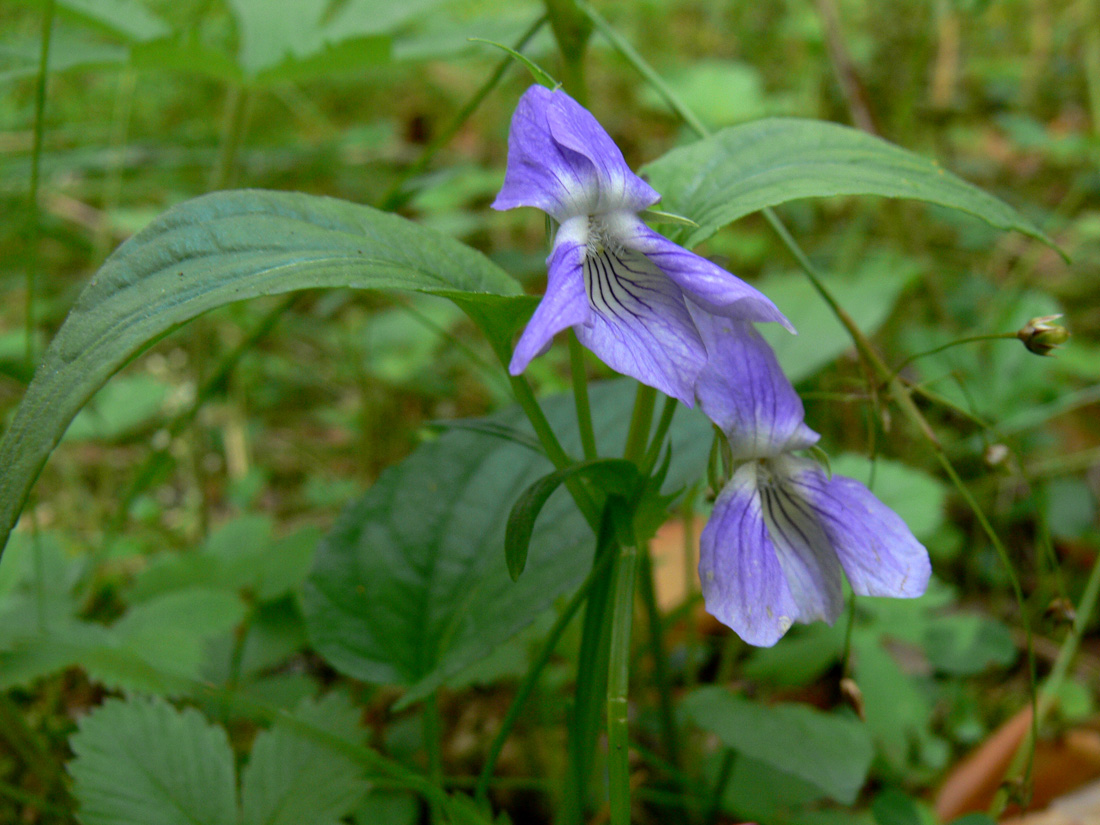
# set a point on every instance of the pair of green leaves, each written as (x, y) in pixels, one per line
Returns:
(142, 761)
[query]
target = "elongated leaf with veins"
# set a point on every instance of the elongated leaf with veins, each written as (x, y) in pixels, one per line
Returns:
(746, 168)
(212, 251)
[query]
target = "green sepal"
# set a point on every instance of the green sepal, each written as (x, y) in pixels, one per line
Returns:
(822, 458)
(659, 216)
(719, 462)
(542, 77)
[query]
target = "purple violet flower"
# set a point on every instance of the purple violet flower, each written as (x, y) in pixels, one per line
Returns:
(782, 530)
(631, 295)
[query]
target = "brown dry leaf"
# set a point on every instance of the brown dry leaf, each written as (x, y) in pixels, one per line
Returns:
(972, 784)
(1065, 764)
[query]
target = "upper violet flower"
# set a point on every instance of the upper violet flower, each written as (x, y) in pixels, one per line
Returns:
(782, 531)
(631, 295)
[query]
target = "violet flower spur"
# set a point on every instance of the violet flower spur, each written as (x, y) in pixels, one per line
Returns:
(631, 295)
(782, 530)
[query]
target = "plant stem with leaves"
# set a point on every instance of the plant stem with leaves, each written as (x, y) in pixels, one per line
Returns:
(898, 391)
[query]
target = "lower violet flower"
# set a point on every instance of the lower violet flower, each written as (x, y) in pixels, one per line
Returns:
(630, 294)
(782, 530)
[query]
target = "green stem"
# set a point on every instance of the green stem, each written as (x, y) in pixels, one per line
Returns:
(1091, 48)
(623, 613)
(396, 195)
(640, 420)
(846, 650)
(657, 442)
(618, 679)
(688, 550)
(236, 108)
(531, 678)
(666, 714)
(236, 655)
(903, 398)
(642, 67)
(1048, 693)
(947, 403)
(1017, 591)
(31, 286)
(112, 184)
(591, 677)
(571, 31)
(958, 342)
(525, 397)
(554, 451)
(1068, 652)
(580, 396)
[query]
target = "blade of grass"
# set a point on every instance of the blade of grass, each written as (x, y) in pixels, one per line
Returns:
(33, 215)
(397, 196)
(530, 679)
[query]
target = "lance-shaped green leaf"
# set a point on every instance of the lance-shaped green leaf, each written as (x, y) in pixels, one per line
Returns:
(745, 168)
(540, 75)
(610, 475)
(203, 254)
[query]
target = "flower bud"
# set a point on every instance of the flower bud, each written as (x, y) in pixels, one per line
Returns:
(1041, 335)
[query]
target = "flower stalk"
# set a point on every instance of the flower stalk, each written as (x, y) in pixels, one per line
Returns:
(592, 673)
(618, 681)
(580, 398)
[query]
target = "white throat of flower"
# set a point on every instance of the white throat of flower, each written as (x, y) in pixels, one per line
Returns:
(616, 277)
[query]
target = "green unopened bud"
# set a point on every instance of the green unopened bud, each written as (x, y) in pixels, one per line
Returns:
(1041, 335)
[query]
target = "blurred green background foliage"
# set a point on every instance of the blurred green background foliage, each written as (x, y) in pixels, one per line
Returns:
(179, 520)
